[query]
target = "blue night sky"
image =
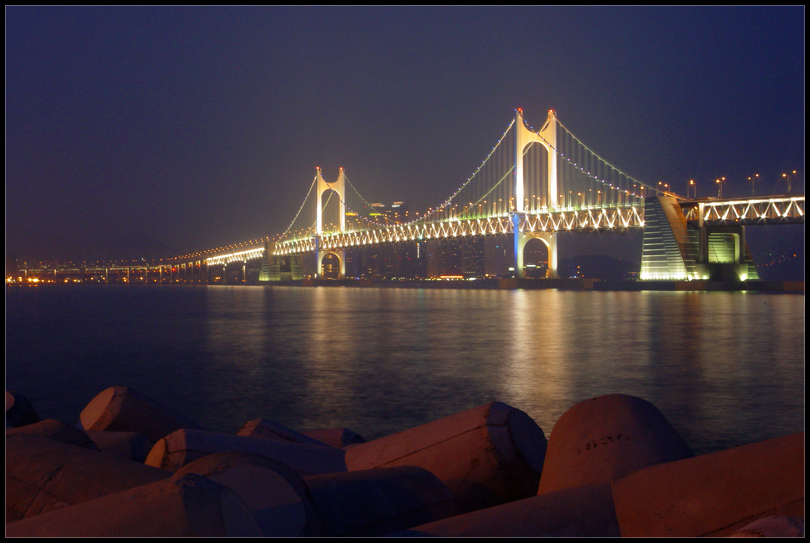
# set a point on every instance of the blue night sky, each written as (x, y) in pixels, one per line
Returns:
(203, 126)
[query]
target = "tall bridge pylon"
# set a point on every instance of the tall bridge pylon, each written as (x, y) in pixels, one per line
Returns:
(547, 137)
(322, 188)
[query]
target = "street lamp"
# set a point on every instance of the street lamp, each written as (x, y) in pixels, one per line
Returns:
(691, 189)
(788, 178)
(752, 179)
(720, 186)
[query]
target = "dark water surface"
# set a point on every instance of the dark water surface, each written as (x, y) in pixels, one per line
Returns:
(726, 368)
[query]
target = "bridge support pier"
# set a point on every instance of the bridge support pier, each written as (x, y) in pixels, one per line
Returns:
(341, 256)
(522, 238)
(674, 249)
(286, 268)
(549, 239)
(724, 254)
(266, 263)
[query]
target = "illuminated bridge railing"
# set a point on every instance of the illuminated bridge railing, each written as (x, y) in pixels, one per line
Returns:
(593, 219)
(754, 210)
(779, 209)
(240, 256)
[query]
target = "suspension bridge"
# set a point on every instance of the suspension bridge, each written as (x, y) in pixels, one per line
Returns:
(534, 184)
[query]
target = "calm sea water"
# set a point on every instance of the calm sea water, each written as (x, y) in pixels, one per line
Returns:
(726, 368)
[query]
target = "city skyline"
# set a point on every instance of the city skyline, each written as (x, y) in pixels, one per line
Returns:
(202, 127)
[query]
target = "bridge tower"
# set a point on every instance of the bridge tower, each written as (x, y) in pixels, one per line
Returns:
(547, 137)
(339, 187)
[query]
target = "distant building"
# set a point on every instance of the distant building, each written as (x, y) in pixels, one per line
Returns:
(404, 260)
(12, 267)
(461, 258)
(472, 258)
(499, 255)
(395, 213)
(450, 258)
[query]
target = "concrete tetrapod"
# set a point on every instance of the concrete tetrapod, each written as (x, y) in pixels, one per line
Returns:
(773, 526)
(585, 511)
(378, 501)
(713, 494)
(56, 430)
(183, 446)
(130, 445)
(606, 437)
(19, 411)
(188, 505)
(336, 437)
(43, 475)
(267, 429)
(127, 410)
(486, 456)
(275, 495)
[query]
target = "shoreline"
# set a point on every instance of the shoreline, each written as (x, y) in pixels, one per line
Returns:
(794, 287)
(787, 287)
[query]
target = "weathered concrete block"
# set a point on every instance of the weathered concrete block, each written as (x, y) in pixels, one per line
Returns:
(130, 445)
(267, 429)
(713, 494)
(774, 526)
(127, 410)
(607, 437)
(190, 505)
(378, 501)
(56, 430)
(585, 511)
(183, 446)
(43, 475)
(486, 456)
(274, 494)
(19, 411)
(336, 437)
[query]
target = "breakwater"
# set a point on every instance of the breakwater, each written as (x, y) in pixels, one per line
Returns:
(611, 466)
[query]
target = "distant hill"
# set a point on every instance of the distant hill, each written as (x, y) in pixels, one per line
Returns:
(601, 267)
(130, 246)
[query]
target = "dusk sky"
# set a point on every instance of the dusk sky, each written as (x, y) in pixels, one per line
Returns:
(203, 126)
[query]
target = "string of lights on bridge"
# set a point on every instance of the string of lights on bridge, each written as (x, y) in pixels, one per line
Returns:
(448, 202)
(300, 208)
(431, 211)
(582, 169)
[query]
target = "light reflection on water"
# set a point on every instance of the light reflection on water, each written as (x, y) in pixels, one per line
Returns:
(724, 368)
